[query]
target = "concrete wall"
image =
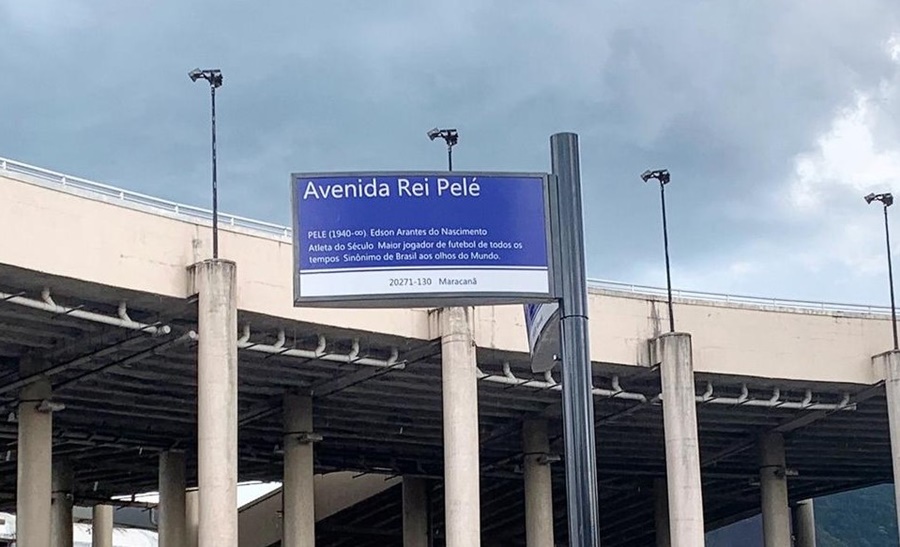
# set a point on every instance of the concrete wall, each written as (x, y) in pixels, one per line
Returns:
(65, 234)
(728, 338)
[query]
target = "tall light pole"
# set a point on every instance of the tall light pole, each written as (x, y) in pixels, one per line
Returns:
(451, 137)
(887, 200)
(662, 175)
(214, 77)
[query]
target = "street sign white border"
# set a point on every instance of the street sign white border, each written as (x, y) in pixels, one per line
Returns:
(430, 299)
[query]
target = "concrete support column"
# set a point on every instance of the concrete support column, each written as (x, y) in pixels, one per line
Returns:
(33, 487)
(805, 524)
(462, 501)
(191, 517)
(299, 527)
(685, 492)
(415, 512)
(773, 489)
(62, 500)
(172, 528)
(887, 365)
(102, 526)
(538, 485)
(215, 284)
(661, 512)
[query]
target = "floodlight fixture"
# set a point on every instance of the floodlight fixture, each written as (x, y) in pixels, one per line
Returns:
(662, 175)
(211, 75)
(887, 199)
(451, 137)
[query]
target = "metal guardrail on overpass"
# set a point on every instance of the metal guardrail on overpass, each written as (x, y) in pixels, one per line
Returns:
(112, 194)
(739, 299)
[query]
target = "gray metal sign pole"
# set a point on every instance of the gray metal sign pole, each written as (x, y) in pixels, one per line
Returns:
(578, 401)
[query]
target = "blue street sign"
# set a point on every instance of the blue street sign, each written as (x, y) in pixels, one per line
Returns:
(421, 239)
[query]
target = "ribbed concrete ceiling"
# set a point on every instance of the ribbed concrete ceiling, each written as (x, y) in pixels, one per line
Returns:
(129, 395)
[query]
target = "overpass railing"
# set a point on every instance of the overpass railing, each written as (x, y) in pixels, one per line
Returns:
(739, 299)
(111, 194)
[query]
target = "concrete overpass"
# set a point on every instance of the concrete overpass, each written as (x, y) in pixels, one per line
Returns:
(99, 306)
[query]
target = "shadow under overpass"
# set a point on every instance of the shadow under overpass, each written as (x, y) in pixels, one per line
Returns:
(260, 521)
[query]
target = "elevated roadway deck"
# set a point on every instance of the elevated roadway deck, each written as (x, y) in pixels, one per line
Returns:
(75, 251)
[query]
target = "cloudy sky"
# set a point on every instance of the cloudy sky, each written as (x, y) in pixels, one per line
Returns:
(774, 117)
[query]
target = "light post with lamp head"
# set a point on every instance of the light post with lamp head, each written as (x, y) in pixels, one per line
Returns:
(662, 175)
(887, 200)
(451, 137)
(214, 77)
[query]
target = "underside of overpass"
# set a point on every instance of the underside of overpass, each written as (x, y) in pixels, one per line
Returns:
(130, 394)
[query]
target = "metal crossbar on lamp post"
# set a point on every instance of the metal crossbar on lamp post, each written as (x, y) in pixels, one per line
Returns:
(662, 175)
(214, 77)
(887, 200)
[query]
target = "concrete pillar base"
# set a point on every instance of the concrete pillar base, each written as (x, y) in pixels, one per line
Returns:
(215, 284)
(172, 527)
(804, 524)
(61, 524)
(191, 517)
(538, 485)
(887, 365)
(685, 492)
(415, 512)
(462, 505)
(34, 484)
(102, 526)
(299, 526)
(661, 512)
(773, 489)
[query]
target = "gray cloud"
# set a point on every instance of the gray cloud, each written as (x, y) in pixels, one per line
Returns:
(726, 95)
